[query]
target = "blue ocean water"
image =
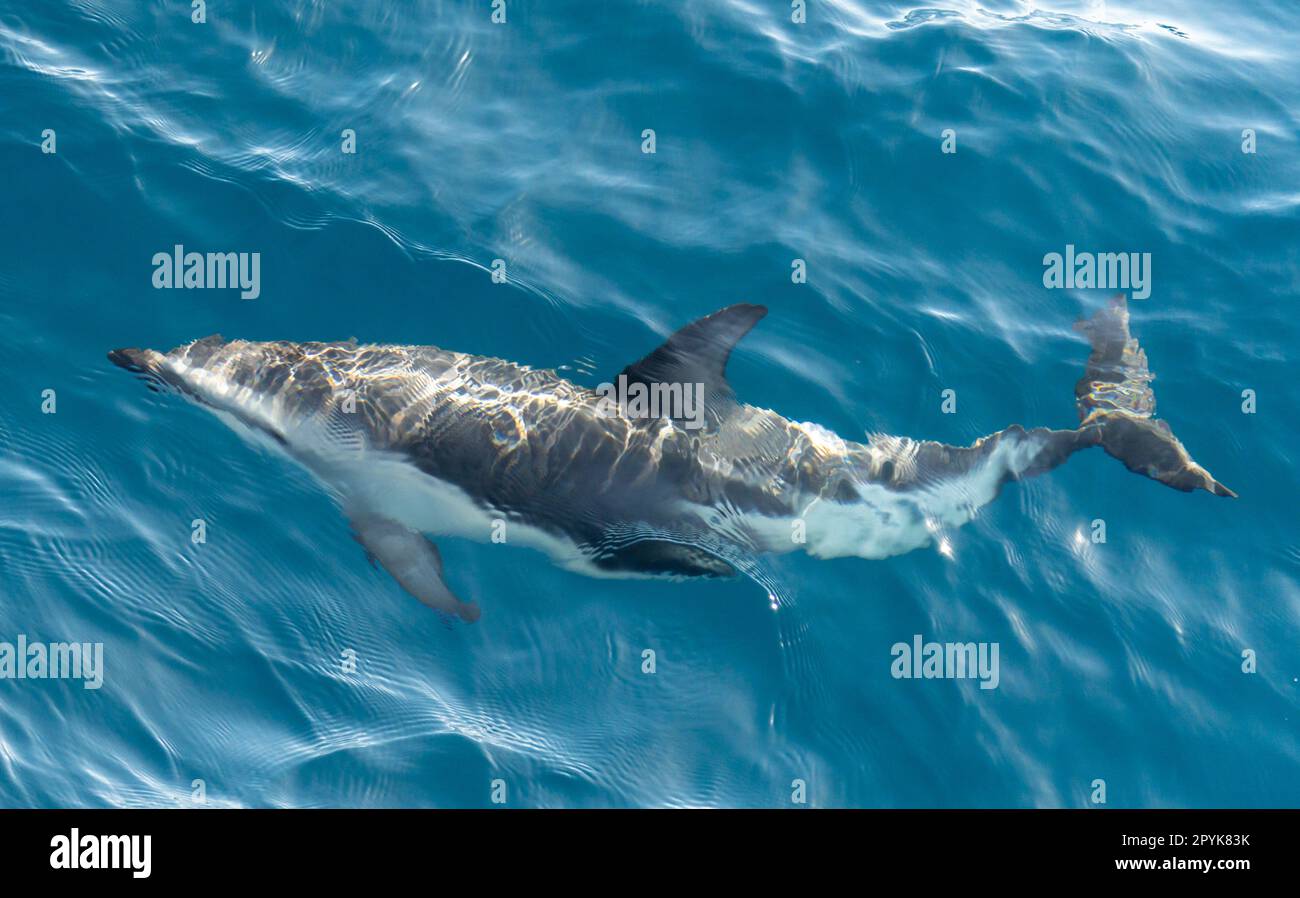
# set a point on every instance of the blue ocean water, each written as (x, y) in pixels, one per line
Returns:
(1104, 126)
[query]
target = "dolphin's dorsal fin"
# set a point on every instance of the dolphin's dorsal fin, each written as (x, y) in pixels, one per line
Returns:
(698, 353)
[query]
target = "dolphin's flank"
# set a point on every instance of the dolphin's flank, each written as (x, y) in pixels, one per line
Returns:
(415, 440)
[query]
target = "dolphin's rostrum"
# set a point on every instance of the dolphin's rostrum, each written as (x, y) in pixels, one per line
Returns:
(416, 440)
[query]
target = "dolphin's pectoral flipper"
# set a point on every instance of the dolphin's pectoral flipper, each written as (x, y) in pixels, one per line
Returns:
(413, 560)
(663, 558)
(698, 353)
(1115, 398)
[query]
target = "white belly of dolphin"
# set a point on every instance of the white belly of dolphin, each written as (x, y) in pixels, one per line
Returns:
(387, 484)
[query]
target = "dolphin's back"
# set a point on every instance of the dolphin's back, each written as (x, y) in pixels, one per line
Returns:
(394, 392)
(520, 440)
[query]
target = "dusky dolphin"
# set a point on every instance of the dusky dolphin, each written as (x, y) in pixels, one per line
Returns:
(415, 440)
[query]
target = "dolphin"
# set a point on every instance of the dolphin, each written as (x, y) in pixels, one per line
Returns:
(417, 440)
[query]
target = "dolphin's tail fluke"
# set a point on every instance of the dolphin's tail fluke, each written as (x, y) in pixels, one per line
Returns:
(1116, 405)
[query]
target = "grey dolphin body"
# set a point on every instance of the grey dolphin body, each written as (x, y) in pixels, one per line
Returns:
(414, 440)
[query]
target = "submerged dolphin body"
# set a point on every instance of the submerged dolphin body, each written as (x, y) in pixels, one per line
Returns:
(415, 439)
